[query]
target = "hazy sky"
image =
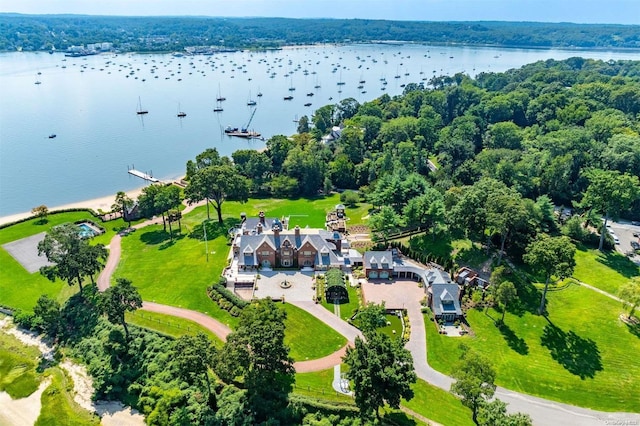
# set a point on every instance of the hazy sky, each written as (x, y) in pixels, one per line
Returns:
(579, 11)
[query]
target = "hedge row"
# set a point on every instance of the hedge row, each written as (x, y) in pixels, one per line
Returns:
(25, 219)
(226, 299)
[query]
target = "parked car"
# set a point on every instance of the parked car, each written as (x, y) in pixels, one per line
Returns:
(615, 238)
(635, 245)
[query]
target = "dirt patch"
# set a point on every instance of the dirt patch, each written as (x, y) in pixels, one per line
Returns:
(23, 411)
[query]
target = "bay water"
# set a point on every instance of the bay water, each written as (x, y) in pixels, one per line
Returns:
(90, 104)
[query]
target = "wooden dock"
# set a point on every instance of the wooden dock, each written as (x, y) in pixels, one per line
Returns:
(142, 175)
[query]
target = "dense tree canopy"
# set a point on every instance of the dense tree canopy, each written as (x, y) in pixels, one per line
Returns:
(73, 258)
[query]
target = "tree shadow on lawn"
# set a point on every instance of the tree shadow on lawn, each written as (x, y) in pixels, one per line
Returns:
(576, 354)
(528, 299)
(633, 329)
(616, 261)
(398, 418)
(162, 237)
(516, 343)
(215, 229)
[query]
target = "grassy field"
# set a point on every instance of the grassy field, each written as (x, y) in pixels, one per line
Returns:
(308, 337)
(169, 325)
(584, 355)
(177, 272)
(607, 271)
(19, 288)
(58, 406)
(463, 251)
(428, 401)
(438, 405)
(318, 385)
(18, 362)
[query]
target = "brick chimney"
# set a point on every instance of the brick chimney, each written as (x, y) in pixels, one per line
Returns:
(259, 229)
(296, 230)
(276, 230)
(261, 216)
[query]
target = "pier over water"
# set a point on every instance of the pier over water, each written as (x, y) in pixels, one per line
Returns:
(142, 175)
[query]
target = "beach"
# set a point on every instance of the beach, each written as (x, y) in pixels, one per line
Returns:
(102, 203)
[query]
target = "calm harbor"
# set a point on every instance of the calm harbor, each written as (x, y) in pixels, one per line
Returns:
(107, 112)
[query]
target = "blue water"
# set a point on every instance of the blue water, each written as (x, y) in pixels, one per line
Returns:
(90, 104)
(86, 231)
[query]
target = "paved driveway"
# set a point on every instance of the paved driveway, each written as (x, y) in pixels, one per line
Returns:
(397, 294)
(300, 291)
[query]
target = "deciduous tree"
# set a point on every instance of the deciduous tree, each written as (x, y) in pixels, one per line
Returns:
(505, 294)
(119, 299)
(494, 413)
(256, 352)
(47, 314)
(73, 258)
(41, 213)
(551, 256)
(630, 294)
(122, 203)
(609, 193)
(474, 383)
(216, 184)
(382, 372)
(193, 357)
(385, 221)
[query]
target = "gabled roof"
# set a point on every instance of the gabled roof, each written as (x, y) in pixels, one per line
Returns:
(445, 299)
(375, 259)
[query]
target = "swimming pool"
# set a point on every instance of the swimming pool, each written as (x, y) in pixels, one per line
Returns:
(86, 231)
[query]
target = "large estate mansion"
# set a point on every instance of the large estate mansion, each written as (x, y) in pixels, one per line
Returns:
(266, 243)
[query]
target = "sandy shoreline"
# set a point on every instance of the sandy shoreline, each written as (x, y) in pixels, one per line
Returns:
(102, 203)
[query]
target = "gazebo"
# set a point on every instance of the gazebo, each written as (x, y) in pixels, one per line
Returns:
(335, 288)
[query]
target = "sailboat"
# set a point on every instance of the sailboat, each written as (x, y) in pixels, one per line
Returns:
(140, 110)
(251, 102)
(220, 98)
(181, 113)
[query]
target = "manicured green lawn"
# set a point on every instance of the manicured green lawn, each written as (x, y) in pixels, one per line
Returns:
(18, 362)
(394, 324)
(58, 406)
(319, 385)
(463, 251)
(586, 357)
(169, 325)
(308, 337)
(176, 273)
(438, 405)
(428, 401)
(19, 288)
(607, 271)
